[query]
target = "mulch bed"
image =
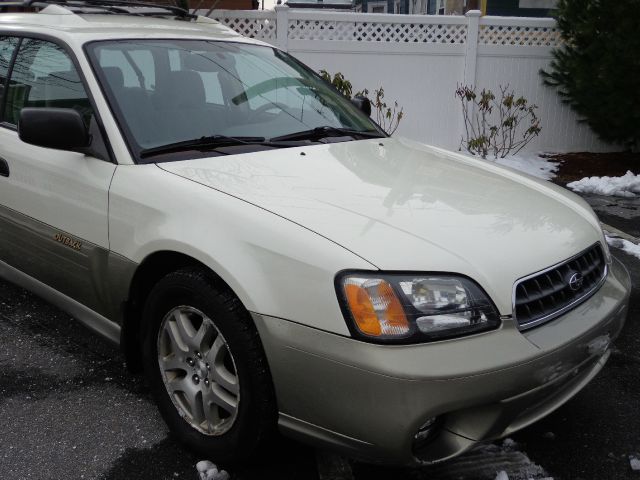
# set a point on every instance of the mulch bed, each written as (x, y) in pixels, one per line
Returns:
(574, 166)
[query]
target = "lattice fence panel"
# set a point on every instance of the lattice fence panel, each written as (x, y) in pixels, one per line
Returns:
(377, 32)
(519, 36)
(260, 28)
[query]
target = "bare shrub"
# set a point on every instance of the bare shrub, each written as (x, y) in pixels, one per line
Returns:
(496, 125)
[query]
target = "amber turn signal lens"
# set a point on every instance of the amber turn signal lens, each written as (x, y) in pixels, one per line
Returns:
(375, 307)
(362, 310)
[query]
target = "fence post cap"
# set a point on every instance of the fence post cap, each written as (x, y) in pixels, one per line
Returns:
(473, 13)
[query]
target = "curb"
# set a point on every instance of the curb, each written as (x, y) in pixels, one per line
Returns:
(620, 233)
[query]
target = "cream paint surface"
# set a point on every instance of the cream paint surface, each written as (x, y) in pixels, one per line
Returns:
(402, 205)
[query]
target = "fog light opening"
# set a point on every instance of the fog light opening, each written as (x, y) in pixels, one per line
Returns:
(426, 433)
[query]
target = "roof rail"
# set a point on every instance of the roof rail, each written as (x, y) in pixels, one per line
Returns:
(115, 6)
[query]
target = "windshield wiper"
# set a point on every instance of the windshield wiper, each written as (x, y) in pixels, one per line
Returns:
(203, 143)
(327, 131)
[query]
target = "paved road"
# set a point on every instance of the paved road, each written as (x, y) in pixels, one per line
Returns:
(620, 212)
(69, 409)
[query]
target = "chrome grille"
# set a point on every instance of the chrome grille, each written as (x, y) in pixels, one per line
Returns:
(545, 295)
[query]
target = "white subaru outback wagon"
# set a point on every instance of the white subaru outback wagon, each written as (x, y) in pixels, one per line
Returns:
(271, 258)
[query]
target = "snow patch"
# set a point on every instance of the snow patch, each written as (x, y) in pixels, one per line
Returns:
(208, 471)
(502, 475)
(509, 443)
(484, 462)
(626, 186)
(533, 164)
(624, 245)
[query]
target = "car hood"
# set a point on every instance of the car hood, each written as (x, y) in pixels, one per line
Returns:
(402, 205)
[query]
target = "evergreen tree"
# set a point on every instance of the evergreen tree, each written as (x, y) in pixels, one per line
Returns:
(184, 4)
(597, 70)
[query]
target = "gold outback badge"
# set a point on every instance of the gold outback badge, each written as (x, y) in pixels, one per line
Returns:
(68, 241)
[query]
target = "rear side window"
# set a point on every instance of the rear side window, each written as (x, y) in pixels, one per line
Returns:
(7, 48)
(44, 76)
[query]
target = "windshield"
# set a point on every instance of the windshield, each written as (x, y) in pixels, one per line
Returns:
(174, 92)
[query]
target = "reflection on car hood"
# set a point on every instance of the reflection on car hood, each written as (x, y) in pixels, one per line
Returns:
(402, 205)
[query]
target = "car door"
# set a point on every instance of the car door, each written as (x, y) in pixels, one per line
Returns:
(53, 203)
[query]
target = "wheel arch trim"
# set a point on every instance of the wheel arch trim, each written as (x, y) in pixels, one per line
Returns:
(154, 266)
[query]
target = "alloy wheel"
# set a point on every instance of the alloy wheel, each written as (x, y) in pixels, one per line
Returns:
(198, 370)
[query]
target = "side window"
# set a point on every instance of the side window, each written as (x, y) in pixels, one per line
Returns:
(7, 47)
(136, 68)
(212, 88)
(44, 76)
(114, 59)
(174, 60)
(145, 65)
(210, 80)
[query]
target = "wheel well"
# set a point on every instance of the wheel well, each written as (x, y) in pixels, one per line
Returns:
(149, 273)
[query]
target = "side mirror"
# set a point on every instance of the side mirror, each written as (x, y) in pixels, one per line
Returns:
(363, 103)
(58, 128)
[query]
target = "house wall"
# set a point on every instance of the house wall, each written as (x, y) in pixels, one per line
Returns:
(519, 8)
(420, 59)
(390, 5)
(320, 4)
(224, 4)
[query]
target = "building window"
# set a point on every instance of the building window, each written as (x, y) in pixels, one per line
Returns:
(377, 7)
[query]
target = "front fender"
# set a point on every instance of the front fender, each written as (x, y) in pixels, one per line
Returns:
(264, 258)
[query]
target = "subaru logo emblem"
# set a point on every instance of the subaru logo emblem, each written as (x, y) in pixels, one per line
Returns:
(575, 281)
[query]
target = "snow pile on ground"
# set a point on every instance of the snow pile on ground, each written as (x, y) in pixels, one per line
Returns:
(532, 163)
(626, 186)
(635, 463)
(502, 475)
(626, 246)
(484, 462)
(208, 471)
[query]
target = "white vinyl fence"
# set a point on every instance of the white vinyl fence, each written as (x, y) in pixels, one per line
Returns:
(419, 60)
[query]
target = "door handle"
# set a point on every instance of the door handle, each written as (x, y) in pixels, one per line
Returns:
(4, 168)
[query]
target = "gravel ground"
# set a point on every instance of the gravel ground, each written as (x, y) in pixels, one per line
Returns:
(70, 410)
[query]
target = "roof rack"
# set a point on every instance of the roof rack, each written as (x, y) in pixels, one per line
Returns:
(125, 7)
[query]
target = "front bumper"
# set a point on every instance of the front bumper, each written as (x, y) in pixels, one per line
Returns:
(369, 400)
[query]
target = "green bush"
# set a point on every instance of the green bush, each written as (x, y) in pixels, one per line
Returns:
(597, 70)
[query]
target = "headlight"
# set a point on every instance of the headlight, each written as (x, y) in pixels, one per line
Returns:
(399, 308)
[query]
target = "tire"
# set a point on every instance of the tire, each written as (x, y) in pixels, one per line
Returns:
(180, 348)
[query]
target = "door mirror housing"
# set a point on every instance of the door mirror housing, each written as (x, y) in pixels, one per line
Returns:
(363, 103)
(58, 128)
